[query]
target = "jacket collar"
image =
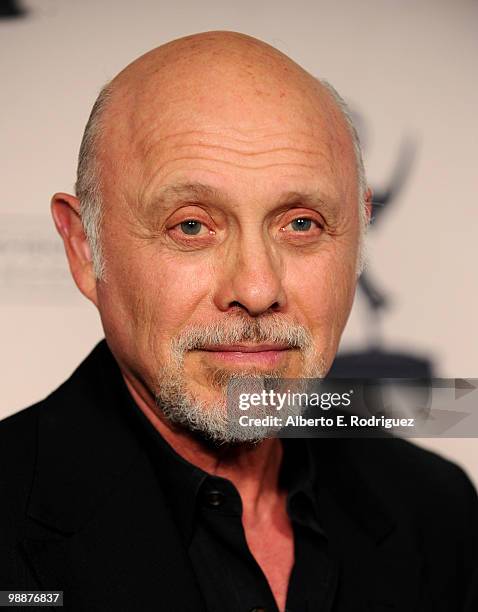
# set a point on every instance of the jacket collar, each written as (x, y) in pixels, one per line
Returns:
(339, 477)
(85, 444)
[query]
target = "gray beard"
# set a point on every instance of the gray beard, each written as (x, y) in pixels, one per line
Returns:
(218, 421)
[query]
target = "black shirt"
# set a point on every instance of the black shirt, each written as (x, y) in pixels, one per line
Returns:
(207, 510)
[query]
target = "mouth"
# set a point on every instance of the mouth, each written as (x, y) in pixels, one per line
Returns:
(258, 355)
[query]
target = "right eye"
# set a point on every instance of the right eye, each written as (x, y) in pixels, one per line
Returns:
(191, 227)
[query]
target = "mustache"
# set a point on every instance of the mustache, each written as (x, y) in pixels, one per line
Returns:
(234, 329)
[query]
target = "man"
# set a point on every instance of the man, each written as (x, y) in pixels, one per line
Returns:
(218, 228)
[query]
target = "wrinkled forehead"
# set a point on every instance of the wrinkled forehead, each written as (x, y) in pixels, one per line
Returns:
(252, 102)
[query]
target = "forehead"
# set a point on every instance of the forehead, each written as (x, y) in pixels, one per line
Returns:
(258, 130)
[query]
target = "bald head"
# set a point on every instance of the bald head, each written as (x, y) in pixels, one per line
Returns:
(244, 79)
(226, 84)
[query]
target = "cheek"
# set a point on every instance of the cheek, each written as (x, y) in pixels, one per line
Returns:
(153, 295)
(177, 288)
(323, 295)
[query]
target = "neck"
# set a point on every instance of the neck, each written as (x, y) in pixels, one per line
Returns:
(252, 468)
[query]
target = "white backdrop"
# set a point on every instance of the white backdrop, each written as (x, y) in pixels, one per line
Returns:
(407, 68)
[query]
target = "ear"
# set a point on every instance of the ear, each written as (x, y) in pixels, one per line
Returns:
(65, 210)
(369, 203)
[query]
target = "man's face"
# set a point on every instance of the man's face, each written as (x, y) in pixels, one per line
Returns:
(230, 235)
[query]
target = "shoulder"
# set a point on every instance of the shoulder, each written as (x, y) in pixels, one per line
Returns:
(19, 432)
(404, 467)
(416, 485)
(18, 452)
(18, 439)
(20, 442)
(410, 467)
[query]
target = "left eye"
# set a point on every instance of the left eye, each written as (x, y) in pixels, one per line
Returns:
(302, 224)
(191, 227)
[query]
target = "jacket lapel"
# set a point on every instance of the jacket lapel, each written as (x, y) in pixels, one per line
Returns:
(95, 501)
(380, 566)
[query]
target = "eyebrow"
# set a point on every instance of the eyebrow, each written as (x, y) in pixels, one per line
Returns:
(200, 192)
(179, 191)
(309, 198)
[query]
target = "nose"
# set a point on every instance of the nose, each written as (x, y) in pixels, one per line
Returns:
(250, 277)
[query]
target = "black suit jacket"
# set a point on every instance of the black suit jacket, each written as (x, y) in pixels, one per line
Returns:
(81, 511)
